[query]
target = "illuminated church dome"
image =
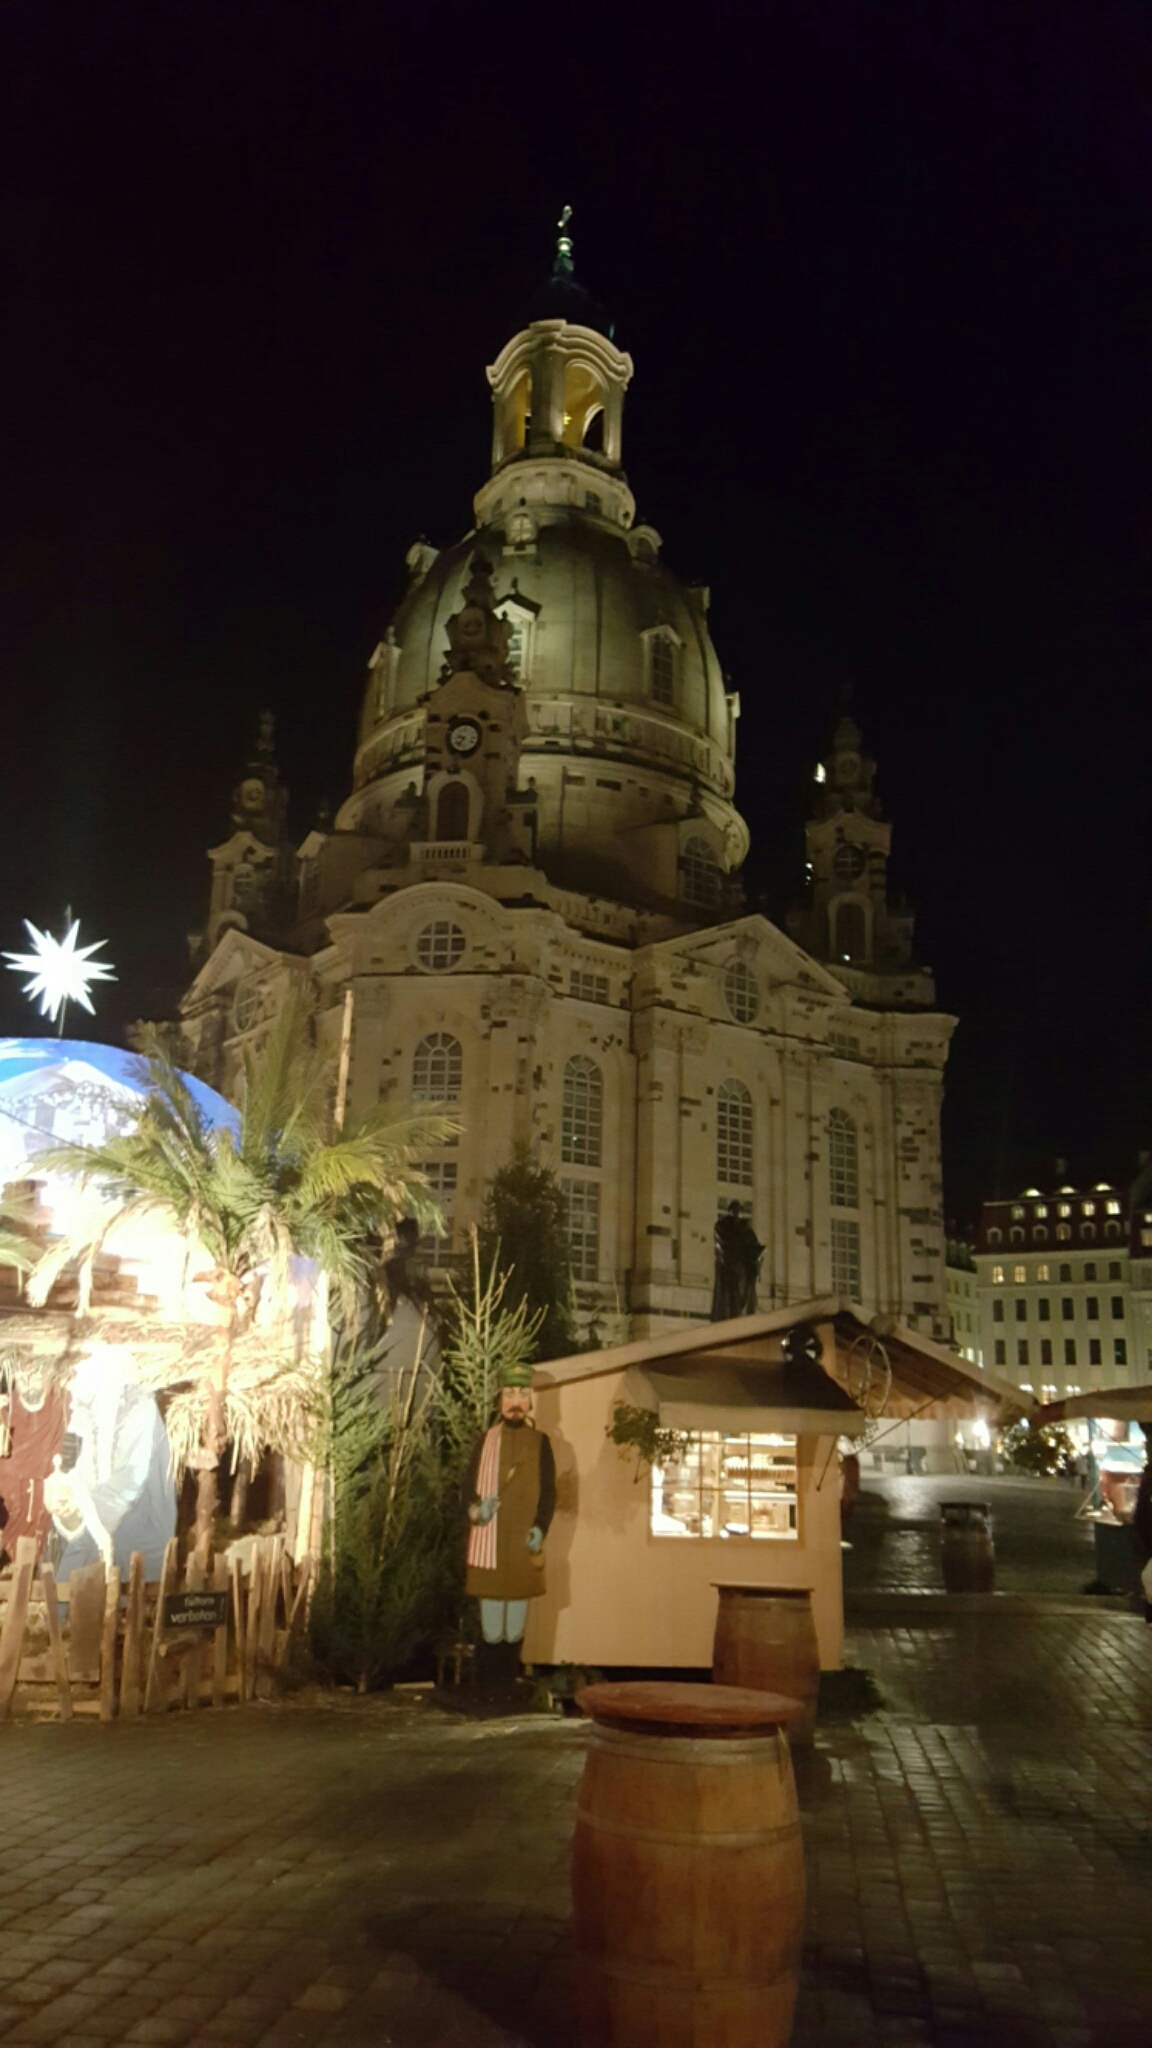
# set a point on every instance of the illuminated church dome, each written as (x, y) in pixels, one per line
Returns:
(628, 747)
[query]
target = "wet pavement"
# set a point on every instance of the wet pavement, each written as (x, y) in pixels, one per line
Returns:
(894, 1532)
(979, 1860)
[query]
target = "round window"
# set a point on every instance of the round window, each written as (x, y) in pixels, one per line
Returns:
(740, 992)
(440, 946)
(848, 863)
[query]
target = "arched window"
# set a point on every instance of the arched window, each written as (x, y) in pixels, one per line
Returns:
(851, 938)
(582, 1117)
(662, 668)
(843, 1161)
(995, 1235)
(740, 992)
(701, 871)
(452, 810)
(734, 1135)
(437, 1068)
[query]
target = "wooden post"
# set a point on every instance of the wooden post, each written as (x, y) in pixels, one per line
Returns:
(191, 1660)
(15, 1615)
(238, 1623)
(220, 1635)
(86, 1622)
(108, 1645)
(255, 1588)
(265, 1663)
(131, 1671)
(56, 1642)
(156, 1688)
(299, 1608)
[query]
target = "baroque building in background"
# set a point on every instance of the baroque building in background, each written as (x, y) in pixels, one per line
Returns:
(529, 905)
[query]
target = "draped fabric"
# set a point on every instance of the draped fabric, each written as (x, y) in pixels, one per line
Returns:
(482, 1535)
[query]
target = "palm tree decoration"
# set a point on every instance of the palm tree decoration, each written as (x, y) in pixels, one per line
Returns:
(285, 1184)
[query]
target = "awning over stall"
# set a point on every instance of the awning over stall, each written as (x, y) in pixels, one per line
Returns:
(1109, 1404)
(781, 1397)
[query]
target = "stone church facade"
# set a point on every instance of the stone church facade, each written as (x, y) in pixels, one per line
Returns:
(529, 904)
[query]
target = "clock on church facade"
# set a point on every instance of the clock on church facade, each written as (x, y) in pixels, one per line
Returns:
(532, 891)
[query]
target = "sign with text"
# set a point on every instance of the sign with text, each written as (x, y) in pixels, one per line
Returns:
(195, 1610)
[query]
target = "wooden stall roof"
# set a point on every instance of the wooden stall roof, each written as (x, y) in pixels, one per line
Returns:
(1110, 1404)
(922, 1371)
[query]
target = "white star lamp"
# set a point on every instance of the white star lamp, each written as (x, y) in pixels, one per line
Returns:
(59, 971)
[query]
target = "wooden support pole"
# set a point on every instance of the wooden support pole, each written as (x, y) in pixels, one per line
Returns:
(56, 1642)
(252, 1624)
(238, 1623)
(15, 1615)
(299, 1608)
(265, 1660)
(156, 1688)
(131, 1673)
(220, 1636)
(108, 1645)
(190, 1663)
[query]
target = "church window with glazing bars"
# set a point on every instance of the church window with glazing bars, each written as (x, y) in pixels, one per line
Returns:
(662, 669)
(582, 1211)
(734, 1135)
(441, 1177)
(843, 1161)
(582, 1113)
(844, 1193)
(701, 874)
(438, 1068)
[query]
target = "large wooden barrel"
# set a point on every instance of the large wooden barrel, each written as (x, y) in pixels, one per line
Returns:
(967, 1556)
(687, 1869)
(766, 1638)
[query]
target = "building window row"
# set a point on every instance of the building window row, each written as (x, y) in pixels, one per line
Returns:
(1088, 1271)
(1095, 1351)
(1043, 1307)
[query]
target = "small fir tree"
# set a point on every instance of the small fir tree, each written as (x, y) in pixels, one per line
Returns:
(392, 1576)
(524, 1236)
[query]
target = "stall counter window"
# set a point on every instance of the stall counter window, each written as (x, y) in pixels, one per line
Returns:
(727, 1486)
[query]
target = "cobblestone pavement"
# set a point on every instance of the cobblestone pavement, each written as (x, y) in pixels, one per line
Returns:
(979, 1863)
(1040, 1546)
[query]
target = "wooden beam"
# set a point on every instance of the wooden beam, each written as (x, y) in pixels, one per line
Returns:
(56, 1642)
(108, 1645)
(156, 1687)
(15, 1615)
(131, 1674)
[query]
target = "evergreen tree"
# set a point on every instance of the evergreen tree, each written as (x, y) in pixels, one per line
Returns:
(524, 1236)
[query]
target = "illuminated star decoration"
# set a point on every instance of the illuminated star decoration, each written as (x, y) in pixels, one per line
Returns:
(59, 971)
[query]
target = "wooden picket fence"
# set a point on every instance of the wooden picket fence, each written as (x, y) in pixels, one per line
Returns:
(104, 1649)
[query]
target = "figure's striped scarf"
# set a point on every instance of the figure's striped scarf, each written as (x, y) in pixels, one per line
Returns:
(482, 1535)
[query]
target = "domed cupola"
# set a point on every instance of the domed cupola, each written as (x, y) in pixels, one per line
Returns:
(626, 760)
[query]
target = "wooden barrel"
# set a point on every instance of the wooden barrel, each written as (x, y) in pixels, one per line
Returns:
(967, 1556)
(687, 1869)
(766, 1638)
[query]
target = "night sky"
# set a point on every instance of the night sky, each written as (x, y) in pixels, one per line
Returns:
(885, 272)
